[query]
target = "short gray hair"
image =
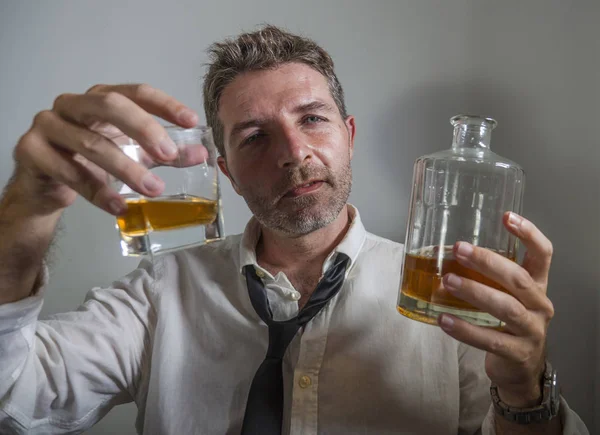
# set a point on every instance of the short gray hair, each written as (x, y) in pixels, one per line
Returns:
(266, 48)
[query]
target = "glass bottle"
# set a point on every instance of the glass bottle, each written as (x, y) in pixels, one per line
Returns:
(458, 194)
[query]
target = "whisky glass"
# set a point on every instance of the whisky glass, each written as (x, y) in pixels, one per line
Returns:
(188, 212)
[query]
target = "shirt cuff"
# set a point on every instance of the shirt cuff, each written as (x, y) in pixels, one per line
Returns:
(572, 424)
(16, 315)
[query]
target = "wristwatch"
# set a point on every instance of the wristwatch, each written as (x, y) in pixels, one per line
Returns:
(543, 412)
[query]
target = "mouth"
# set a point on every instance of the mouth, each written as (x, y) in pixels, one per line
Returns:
(304, 189)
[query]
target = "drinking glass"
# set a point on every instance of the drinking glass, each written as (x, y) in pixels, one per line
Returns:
(188, 212)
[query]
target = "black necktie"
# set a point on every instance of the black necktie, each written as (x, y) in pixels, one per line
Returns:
(264, 410)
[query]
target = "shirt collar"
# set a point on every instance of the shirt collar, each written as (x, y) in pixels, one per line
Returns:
(350, 244)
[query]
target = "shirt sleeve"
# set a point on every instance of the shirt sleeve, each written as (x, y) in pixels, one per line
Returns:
(63, 374)
(474, 394)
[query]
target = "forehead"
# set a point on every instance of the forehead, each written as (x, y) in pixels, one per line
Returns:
(268, 92)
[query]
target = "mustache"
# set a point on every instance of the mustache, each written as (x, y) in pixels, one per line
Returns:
(301, 175)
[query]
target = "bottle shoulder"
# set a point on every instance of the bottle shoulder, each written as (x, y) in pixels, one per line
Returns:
(468, 156)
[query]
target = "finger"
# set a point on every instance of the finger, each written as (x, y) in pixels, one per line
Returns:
(154, 101)
(508, 274)
(60, 166)
(539, 247)
(99, 150)
(118, 110)
(490, 340)
(189, 155)
(495, 302)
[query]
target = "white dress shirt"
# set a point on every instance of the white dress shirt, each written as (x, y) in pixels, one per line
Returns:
(181, 339)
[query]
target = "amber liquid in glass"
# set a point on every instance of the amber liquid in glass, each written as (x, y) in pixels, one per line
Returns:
(423, 275)
(145, 215)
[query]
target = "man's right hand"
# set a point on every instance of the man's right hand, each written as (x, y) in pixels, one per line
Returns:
(67, 151)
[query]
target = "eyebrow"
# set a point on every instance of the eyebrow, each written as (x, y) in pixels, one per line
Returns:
(313, 105)
(302, 108)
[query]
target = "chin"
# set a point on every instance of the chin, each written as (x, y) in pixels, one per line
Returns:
(300, 215)
(302, 227)
(309, 218)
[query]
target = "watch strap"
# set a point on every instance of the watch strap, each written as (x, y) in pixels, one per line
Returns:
(536, 414)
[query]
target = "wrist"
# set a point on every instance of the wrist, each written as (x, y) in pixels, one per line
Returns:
(518, 403)
(525, 394)
(24, 198)
(524, 397)
(26, 231)
(25, 226)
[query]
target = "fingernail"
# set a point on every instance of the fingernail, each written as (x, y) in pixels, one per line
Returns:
(188, 117)
(446, 322)
(514, 220)
(453, 282)
(116, 207)
(151, 182)
(168, 147)
(464, 249)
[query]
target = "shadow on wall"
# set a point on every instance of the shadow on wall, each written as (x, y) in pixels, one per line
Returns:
(417, 123)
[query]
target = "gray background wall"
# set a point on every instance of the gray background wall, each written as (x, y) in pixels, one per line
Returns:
(407, 66)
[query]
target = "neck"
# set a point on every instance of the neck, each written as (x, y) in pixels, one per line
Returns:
(285, 252)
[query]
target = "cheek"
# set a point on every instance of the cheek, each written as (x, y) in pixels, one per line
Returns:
(249, 172)
(334, 149)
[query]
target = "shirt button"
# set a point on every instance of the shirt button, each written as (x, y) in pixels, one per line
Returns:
(260, 273)
(295, 296)
(305, 381)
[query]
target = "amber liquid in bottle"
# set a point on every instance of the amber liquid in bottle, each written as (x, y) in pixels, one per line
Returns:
(422, 279)
(166, 213)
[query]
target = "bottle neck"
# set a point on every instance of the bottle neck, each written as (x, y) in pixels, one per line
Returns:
(472, 136)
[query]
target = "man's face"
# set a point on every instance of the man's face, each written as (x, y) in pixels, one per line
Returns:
(288, 149)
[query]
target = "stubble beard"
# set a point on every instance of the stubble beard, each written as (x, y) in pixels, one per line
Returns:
(306, 213)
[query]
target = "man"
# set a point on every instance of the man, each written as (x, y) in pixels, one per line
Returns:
(188, 344)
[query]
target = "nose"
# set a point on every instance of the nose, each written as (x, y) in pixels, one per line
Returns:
(293, 149)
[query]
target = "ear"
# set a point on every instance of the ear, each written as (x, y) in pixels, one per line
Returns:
(225, 170)
(351, 127)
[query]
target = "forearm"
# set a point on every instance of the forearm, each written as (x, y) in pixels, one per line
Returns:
(26, 232)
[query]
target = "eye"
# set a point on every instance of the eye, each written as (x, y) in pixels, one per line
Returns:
(313, 119)
(252, 138)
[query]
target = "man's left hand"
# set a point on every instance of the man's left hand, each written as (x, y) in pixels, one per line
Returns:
(516, 352)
